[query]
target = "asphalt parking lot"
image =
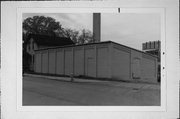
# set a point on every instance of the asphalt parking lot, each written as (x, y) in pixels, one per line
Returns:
(46, 91)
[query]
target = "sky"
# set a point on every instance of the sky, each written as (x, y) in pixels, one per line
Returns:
(130, 29)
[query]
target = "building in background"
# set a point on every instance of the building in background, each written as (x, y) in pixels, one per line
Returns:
(36, 42)
(154, 48)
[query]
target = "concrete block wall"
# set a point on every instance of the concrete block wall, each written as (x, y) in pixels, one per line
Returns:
(60, 61)
(37, 62)
(149, 68)
(68, 61)
(88, 60)
(99, 60)
(52, 62)
(121, 63)
(102, 62)
(130, 64)
(44, 62)
(79, 61)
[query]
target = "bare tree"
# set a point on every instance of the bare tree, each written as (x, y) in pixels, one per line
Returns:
(79, 37)
(86, 36)
(72, 34)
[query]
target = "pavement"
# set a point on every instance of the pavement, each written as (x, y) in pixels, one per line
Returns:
(60, 91)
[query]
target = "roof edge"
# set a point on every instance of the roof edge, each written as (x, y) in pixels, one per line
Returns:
(103, 42)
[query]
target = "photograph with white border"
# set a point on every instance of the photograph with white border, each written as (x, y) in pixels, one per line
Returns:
(81, 59)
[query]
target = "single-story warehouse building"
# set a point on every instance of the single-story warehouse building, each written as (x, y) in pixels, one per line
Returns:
(99, 60)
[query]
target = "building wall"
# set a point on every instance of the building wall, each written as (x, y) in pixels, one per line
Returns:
(149, 68)
(98, 60)
(136, 65)
(44, 62)
(68, 61)
(121, 63)
(102, 62)
(52, 62)
(60, 61)
(79, 61)
(129, 64)
(144, 66)
(38, 62)
(90, 61)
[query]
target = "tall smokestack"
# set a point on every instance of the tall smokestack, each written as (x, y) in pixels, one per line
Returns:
(97, 27)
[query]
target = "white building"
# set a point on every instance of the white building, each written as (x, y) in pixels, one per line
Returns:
(108, 60)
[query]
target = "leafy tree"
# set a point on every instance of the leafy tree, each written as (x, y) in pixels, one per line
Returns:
(49, 26)
(41, 25)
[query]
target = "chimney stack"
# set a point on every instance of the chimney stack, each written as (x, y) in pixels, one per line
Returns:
(97, 27)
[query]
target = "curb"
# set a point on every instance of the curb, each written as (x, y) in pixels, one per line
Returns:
(110, 83)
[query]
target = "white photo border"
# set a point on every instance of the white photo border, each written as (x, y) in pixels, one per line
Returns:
(11, 107)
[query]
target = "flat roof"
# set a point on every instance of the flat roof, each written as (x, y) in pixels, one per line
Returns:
(103, 42)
